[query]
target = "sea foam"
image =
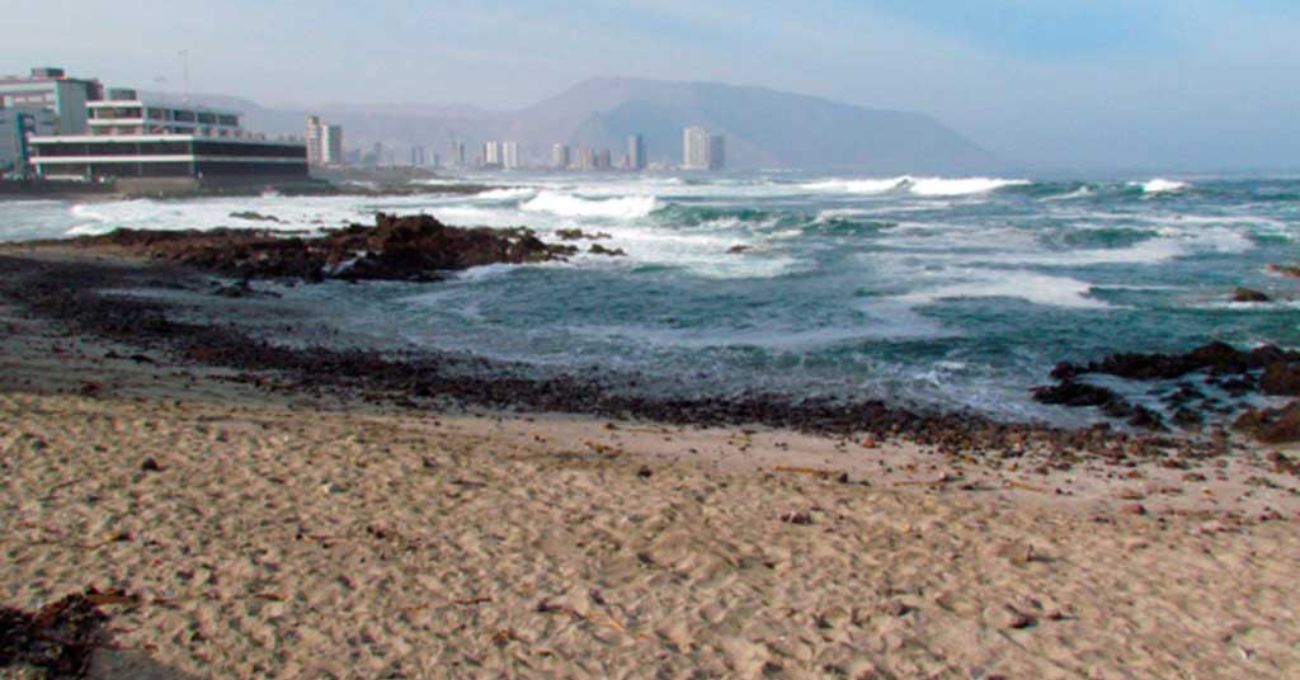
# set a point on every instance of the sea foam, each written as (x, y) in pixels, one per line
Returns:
(567, 205)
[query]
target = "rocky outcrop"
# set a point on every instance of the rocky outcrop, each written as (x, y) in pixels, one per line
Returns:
(412, 248)
(1291, 270)
(1248, 295)
(1267, 369)
(1272, 426)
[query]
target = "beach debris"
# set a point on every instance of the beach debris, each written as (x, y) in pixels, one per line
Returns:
(62, 636)
(798, 517)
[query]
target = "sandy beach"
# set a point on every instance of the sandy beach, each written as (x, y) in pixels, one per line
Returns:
(291, 533)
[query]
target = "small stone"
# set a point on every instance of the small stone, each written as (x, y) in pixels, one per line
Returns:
(150, 465)
(1133, 509)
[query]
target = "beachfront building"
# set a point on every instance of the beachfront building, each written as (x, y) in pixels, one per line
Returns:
(129, 136)
(45, 102)
(702, 150)
(636, 153)
(560, 156)
(324, 142)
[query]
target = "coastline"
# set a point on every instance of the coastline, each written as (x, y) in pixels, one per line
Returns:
(300, 529)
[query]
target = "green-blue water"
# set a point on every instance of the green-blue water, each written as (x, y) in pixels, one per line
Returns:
(949, 292)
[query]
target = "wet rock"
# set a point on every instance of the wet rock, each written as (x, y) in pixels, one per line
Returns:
(1271, 426)
(736, 250)
(1290, 270)
(597, 249)
(1071, 393)
(1281, 378)
(577, 234)
(411, 248)
(254, 216)
(1248, 295)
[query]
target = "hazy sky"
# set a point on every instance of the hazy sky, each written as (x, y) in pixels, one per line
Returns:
(1159, 84)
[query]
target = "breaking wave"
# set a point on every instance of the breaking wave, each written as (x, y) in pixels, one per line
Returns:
(917, 186)
(1160, 186)
(566, 205)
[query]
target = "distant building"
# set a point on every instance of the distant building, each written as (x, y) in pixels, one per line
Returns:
(418, 157)
(603, 160)
(492, 153)
(560, 156)
(456, 154)
(510, 155)
(46, 102)
(586, 158)
(717, 152)
(636, 153)
(332, 145)
(52, 90)
(324, 142)
(702, 150)
(132, 137)
(16, 126)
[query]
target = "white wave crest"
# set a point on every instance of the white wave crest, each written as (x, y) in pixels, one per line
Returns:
(1040, 289)
(566, 205)
(917, 186)
(857, 186)
(1160, 186)
(939, 186)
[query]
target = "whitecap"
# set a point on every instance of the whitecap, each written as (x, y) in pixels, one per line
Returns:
(1040, 289)
(566, 205)
(1160, 186)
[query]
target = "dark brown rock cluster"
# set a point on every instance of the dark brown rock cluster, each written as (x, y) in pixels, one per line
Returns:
(411, 248)
(1267, 370)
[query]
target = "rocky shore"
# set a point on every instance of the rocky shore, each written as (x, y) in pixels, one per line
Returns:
(183, 499)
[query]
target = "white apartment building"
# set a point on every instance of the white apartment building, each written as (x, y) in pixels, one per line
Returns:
(560, 158)
(510, 155)
(702, 150)
(492, 153)
(324, 142)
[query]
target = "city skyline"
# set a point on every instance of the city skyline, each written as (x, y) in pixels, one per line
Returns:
(1197, 83)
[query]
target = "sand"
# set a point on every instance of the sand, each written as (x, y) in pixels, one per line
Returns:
(290, 535)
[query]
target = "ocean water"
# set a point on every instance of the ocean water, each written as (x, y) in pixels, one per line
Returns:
(956, 293)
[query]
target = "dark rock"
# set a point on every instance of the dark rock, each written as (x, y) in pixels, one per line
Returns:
(1281, 378)
(597, 249)
(735, 250)
(1070, 393)
(576, 234)
(412, 248)
(1248, 295)
(1271, 426)
(1290, 270)
(150, 465)
(254, 216)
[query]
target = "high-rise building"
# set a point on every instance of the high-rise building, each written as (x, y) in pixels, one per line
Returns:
(603, 160)
(456, 154)
(702, 150)
(332, 145)
(717, 151)
(492, 153)
(324, 142)
(636, 152)
(417, 156)
(510, 155)
(586, 158)
(560, 156)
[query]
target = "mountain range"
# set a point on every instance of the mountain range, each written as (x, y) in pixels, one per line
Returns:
(764, 128)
